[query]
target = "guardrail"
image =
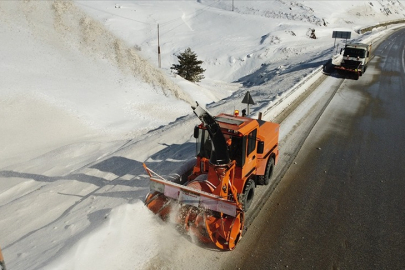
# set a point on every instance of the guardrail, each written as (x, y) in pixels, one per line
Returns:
(382, 24)
(295, 91)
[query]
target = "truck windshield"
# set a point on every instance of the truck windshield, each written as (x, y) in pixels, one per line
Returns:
(352, 52)
(237, 148)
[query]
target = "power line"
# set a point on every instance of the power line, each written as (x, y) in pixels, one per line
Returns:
(196, 13)
(146, 23)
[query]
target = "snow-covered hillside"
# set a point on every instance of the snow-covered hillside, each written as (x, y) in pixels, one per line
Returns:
(83, 104)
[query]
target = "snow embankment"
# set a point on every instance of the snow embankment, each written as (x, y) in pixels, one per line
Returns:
(66, 78)
(64, 57)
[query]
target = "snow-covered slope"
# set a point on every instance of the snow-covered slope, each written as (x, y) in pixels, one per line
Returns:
(83, 104)
(277, 30)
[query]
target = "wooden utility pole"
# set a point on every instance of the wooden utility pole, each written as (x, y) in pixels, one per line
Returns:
(159, 60)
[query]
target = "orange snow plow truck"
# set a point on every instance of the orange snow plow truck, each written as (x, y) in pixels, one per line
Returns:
(234, 154)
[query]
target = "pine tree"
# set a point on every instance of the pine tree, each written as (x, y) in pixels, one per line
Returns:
(189, 67)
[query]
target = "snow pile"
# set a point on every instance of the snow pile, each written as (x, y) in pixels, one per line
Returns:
(83, 105)
(88, 35)
(97, 249)
(71, 61)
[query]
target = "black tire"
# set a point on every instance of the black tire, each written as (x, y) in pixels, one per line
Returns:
(248, 194)
(265, 179)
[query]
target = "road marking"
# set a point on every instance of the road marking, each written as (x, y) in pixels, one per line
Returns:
(403, 59)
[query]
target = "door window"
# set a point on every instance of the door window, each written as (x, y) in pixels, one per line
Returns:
(251, 146)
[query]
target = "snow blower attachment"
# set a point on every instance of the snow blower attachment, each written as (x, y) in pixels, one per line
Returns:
(234, 154)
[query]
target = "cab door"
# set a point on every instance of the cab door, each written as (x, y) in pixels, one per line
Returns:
(251, 156)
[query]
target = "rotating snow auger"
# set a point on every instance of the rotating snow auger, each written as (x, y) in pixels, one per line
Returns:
(234, 154)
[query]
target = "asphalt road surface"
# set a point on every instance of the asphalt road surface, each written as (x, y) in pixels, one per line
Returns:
(341, 204)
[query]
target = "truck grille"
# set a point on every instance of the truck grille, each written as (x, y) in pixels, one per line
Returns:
(351, 64)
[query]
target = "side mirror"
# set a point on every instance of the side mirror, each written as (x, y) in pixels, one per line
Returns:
(260, 147)
(196, 132)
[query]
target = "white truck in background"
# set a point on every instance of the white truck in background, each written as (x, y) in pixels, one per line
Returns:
(355, 59)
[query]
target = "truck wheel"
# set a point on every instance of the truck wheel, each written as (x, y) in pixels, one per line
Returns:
(265, 179)
(248, 194)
